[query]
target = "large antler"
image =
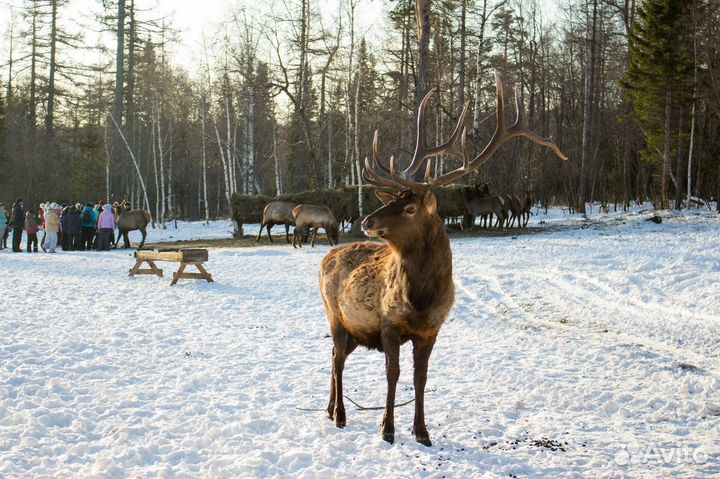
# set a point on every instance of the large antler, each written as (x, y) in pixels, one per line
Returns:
(401, 180)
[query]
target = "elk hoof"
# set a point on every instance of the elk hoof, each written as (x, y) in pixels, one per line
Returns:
(340, 424)
(425, 441)
(389, 437)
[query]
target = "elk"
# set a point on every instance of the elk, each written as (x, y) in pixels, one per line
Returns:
(277, 213)
(527, 203)
(128, 220)
(478, 202)
(515, 206)
(381, 295)
(315, 217)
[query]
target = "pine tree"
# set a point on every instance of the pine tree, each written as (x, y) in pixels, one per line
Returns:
(660, 64)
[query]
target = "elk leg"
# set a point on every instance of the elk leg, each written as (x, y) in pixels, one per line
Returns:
(144, 235)
(287, 232)
(262, 225)
(269, 225)
(327, 233)
(421, 355)
(343, 345)
(312, 242)
(391, 346)
(126, 239)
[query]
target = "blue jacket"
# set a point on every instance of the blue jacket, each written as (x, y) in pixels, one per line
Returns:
(93, 217)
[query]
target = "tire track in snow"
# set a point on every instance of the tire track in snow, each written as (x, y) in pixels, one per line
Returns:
(590, 301)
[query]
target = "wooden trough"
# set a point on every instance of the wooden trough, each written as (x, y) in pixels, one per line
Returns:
(185, 257)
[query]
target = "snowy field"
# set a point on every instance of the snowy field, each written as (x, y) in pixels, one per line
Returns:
(588, 350)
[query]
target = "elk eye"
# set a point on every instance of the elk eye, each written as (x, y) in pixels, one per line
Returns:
(410, 210)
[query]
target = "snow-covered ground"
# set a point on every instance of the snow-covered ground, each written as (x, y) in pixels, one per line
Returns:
(589, 350)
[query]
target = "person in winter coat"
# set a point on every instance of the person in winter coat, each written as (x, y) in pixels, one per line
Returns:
(89, 220)
(3, 226)
(52, 226)
(41, 216)
(64, 239)
(106, 225)
(74, 229)
(31, 228)
(17, 221)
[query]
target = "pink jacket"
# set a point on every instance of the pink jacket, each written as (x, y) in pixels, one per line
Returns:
(106, 218)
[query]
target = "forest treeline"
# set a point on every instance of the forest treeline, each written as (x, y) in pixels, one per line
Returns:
(287, 100)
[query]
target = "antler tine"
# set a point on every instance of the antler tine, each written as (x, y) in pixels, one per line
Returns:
(375, 179)
(422, 152)
(501, 135)
(518, 129)
(399, 179)
(376, 154)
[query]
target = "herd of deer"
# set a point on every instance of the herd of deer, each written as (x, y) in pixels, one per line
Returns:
(304, 218)
(509, 210)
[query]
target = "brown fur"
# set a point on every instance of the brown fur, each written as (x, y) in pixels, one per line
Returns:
(277, 213)
(381, 296)
(479, 203)
(314, 217)
(527, 204)
(515, 206)
(128, 220)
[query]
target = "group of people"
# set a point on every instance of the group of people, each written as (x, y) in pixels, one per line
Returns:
(73, 227)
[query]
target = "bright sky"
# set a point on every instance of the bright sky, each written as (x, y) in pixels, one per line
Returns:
(195, 18)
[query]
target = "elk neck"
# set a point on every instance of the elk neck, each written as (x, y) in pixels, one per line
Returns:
(424, 266)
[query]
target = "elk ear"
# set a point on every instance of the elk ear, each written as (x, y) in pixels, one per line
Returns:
(429, 201)
(385, 197)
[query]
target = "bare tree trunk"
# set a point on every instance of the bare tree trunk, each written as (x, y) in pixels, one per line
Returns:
(153, 145)
(666, 165)
(350, 130)
(691, 148)
(356, 146)
(204, 165)
(250, 140)
(680, 162)
(136, 164)
(588, 112)
(11, 62)
(226, 171)
(278, 181)
(422, 14)
(50, 109)
(170, 194)
(119, 81)
(229, 146)
(161, 154)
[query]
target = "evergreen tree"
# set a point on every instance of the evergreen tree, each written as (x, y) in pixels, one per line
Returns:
(660, 66)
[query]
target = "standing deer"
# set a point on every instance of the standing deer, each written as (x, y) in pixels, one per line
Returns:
(277, 213)
(383, 295)
(527, 203)
(478, 202)
(515, 206)
(313, 217)
(128, 220)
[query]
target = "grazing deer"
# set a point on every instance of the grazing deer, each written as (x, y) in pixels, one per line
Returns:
(277, 213)
(382, 295)
(314, 217)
